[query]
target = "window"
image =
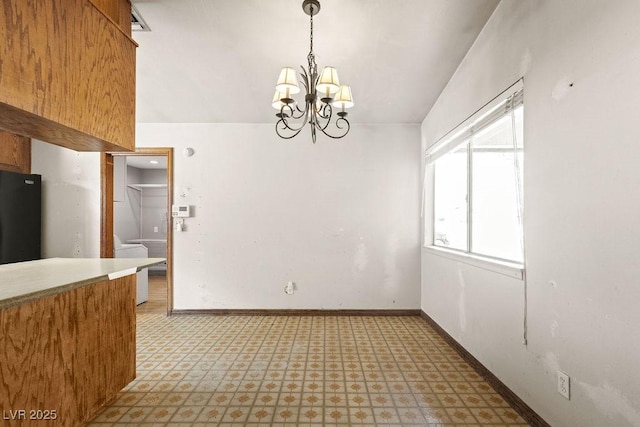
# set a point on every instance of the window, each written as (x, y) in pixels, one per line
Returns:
(476, 182)
(450, 200)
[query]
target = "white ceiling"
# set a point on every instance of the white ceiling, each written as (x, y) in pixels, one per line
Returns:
(217, 61)
(145, 162)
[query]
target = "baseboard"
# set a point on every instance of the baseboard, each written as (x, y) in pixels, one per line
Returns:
(296, 312)
(509, 396)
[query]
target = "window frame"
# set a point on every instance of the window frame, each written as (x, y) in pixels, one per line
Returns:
(462, 136)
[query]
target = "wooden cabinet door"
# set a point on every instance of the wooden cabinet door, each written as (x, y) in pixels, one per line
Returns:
(67, 75)
(15, 153)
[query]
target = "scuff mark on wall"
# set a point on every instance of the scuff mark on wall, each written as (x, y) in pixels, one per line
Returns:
(612, 403)
(561, 89)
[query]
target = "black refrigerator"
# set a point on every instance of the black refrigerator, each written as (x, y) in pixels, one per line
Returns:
(20, 217)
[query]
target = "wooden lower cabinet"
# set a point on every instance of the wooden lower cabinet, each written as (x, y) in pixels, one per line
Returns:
(62, 357)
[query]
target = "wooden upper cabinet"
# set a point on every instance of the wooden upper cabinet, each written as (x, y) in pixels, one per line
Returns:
(15, 153)
(118, 11)
(67, 73)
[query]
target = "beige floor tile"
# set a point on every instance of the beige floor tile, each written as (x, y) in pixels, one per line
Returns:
(309, 414)
(404, 400)
(435, 415)
(486, 415)
(461, 416)
(361, 415)
(236, 414)
(301, 371)
(285, 414)
(411, 416)
(220, 398)
(508, 415)
(386, 416)
(290, 399)
(211, 414)
(381, 400)
(360, 399)
(335, 399)
(242, 398)
(136, 414)
(161, 414)
(261, 414)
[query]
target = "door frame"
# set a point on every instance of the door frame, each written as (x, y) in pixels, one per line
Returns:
(106, 208)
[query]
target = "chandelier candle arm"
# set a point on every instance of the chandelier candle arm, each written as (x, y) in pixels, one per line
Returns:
(321, 92)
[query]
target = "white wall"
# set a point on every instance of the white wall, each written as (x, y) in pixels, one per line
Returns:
(154, 205)
(581, 62)
(143, 208)
(126, 213)
(70, 200)
(339, 218)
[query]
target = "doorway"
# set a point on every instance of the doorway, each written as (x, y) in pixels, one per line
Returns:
(153, 230)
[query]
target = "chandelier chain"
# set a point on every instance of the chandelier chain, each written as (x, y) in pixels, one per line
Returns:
(311, 57)
(311, 32)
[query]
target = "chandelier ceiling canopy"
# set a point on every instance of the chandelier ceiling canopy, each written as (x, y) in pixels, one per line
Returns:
(323, 94)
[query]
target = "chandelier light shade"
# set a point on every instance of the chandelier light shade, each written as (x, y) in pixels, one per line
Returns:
(323, 93)
(343, 98)
(288, 81)
(328, 82)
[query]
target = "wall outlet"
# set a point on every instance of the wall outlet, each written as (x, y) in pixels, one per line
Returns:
(564, 385)
(155, 229)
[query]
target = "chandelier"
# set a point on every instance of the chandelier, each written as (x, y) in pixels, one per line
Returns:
(323, 93)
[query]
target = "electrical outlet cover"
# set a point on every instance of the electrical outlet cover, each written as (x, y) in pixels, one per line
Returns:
(564, 385)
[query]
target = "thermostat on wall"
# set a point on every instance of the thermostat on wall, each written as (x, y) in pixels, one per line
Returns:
(181, 211)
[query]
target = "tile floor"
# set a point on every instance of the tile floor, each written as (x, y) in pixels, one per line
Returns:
(301, 370)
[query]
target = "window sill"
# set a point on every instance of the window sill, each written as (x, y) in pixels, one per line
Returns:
(510, 269)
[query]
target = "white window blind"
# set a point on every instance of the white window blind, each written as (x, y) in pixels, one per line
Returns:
(485, 116)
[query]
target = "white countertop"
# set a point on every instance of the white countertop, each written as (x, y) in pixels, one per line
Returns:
(27, 281)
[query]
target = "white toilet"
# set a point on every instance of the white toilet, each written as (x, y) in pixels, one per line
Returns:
(131, 250)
